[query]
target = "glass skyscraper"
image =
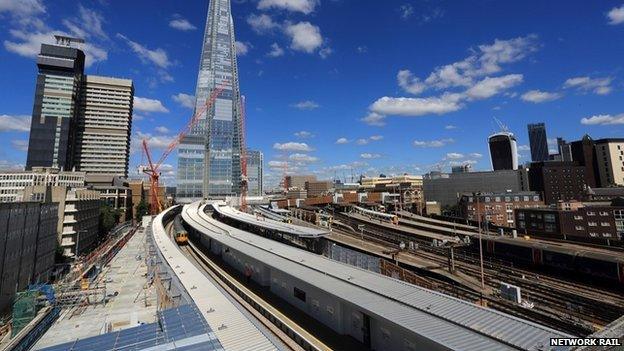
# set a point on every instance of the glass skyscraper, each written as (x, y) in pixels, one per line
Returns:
(209, 156)
(538, 142)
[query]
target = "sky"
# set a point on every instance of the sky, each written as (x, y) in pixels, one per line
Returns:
(339, 88)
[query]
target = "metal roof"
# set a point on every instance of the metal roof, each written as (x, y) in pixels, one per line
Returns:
(443, 319)
(179, 328)
(270, 224)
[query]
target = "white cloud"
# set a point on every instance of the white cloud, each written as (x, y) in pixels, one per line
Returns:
(433, 143)
(376, 137)
(184, 100)
(449, 127)
(600, 86)
(22, 7)
(304, 36)
(304, 134)
(161, 130)
(10, 166)
(374, 119)
(181, 24)
(303, 158)
(342, 141)
(407, 10)
(362, 141)
(616, 15)
(292, 146)
(19, 123)
(475, 155)
(148, 105)
(524, 148)
(304, 6)
(325, 52)
(278, 164)
(454, 156)
(417, 106)
(276, 51)
(19, 144)
(157, 56)
(306, 105)
(369, 156)
(153, 141)
(28, 44)
(489, 87)
(89, 23)
(261, 23)
(538, 96)
(362, 49)
(241, 48)
(409, 83)
(603, 120)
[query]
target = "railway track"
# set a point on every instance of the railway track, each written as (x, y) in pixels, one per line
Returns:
(291, 334)
(582, 309)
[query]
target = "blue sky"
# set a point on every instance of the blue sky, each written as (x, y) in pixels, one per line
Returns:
(335, 85)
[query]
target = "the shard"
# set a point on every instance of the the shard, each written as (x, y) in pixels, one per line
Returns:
(209, 156)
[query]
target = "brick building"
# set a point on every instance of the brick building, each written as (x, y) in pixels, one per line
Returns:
(558, 181)
(497, 208)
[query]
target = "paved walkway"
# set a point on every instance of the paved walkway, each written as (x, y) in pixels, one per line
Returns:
(133, 305)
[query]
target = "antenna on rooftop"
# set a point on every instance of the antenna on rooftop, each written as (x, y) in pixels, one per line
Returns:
(63, 40)
(503, 127)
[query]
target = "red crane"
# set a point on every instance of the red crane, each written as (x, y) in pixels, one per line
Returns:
(243, 155)
(153, 171)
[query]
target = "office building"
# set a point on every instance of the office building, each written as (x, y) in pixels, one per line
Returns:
(209, 156)
(538, 142)
(55, 109)
(78, 216)
(584, 154)
(579, 223)
(12, 184)
(503, 151)
(104, 126)
(27, 246)
(610, 161)
(497, 208)
(114, 191)
(319, 188)
(254, 173)
(565, 150)
(557, 181)
(298, 181)
(447, 188)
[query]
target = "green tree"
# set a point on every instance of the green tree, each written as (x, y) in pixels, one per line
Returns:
(141, 210)
(109, 217)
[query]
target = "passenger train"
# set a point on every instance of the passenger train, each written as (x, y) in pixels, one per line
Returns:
(180, 234)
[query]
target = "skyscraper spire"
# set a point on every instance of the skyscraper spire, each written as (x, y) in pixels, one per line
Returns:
(209, 157)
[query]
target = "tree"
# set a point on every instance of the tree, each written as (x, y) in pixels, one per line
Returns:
(141, 210)
(109, 217)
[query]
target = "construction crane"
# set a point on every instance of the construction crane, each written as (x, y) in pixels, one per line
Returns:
(153, 169)
(243, 156)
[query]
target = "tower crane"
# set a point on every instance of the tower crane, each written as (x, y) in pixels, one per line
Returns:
(153, 169)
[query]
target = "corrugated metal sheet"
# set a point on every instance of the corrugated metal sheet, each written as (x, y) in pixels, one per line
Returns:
(446, 320)
(231, 327)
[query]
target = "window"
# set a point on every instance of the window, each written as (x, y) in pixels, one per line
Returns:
(549, 217)
(520, 215)
(579, 227)
(300, 294)
(605, 224)
(592, 224)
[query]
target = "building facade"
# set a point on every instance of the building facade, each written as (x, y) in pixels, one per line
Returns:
(298, 181)
(538, 142)
(255, 170)
(497, 208)
(209, 156)
(503, 151)
(104, 126)
(55, 107)
(446, 188)
(12, 184)
(586, 223)
(584, 154)
(27, 246)
(78, 216)
(558, 181)
(610, 162)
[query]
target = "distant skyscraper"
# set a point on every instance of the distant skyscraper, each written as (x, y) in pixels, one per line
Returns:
(104, 125)
(538, 142)
(565, 150)
(61, 70)
(209, 157)
(503, 151)
(254, 173)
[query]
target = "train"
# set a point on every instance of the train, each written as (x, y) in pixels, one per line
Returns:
(376, 215)
(180, 234)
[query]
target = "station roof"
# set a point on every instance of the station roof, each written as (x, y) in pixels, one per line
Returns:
(442, 319)
(269, 224)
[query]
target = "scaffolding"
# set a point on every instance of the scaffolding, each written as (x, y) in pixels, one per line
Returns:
(24, 310)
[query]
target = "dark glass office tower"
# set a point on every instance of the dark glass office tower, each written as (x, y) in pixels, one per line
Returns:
(209, 156)
(538, 142)
(61, 70)
(503, 150)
